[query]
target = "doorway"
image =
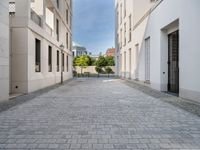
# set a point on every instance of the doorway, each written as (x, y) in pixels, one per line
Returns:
(147, 60)
(173, 62)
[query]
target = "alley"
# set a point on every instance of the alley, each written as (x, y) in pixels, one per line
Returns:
(98, 114)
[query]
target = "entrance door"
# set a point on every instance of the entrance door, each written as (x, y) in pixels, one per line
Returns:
(173, 62)
(136, 62)
(147, 60)
(130, 63)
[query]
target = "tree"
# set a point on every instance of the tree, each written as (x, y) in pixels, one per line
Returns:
(110, 61)
(74, 60)
(82, 62)
(98, 70)
(108, 70)
(93, 62)
(101, 62)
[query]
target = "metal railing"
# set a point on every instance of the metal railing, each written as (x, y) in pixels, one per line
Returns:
(12, 8)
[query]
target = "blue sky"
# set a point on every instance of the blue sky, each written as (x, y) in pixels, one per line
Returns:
(93, 24)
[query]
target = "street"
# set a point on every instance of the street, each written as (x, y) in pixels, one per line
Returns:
(94, 114)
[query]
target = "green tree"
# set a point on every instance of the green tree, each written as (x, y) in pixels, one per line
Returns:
(74, 60)
(98, 70)
(110, 61)
(82, 62)
(101, 62)
(93, 62)
(108, 70)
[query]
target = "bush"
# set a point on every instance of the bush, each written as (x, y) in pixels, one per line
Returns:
(98, 70)
(108, 70)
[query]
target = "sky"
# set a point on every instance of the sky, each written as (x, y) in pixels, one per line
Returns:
(94, 24)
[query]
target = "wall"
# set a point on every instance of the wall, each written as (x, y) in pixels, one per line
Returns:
(4, 50)
(183, 16)
(135, 8)
(90, 69)
(24, 32)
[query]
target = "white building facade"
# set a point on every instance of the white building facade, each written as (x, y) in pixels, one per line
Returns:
(4, 50)
(163, 50)
(41, 44)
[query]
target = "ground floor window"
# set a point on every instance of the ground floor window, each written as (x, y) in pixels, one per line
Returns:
(37, 55)
(58, 61)
(63, 60)
(67, 61)
(50, 58)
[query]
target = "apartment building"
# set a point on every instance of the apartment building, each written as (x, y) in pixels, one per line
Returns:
(4, 50)
(41, 43)
(157, 44)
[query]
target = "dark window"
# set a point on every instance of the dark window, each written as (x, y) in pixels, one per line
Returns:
(57, 29)
(63, 62)
(67, 59)
(57, 2)
(50, 58)
(130, 29)
(37, 55)
(67, 40)
(58, 61)
(67, 16)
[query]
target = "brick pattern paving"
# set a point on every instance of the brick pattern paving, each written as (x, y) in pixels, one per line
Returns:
(98, 114)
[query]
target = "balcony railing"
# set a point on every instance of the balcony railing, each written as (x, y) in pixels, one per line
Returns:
(36, 18)
(12, 8)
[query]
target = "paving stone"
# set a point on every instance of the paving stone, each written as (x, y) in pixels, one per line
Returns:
(99, 114)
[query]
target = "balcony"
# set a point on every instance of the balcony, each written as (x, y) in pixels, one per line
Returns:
(12, 9)
(36, 18)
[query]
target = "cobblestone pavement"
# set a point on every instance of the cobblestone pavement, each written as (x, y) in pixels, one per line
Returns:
(98, 114)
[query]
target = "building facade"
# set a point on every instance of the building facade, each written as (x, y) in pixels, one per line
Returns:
(4, 50)
(41, 44)
(160, 47)
(79, 50)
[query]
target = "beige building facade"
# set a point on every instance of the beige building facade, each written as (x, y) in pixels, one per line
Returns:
(4, 50)
(41, 44)
(157, 44)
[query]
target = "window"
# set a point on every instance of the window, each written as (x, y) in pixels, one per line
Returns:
(50, 58)
(58, 61)
(70, 21)
(124, 8)
(67, 40)
(130, 28)
(117, 20)
(130, 63)
(124, 64)
(70, 43)
(137, 61)
(57, 29)
(121, 38)
(57, 2)
(125, 34)
(63, 62)
(37, 55)
(67, 65)
(67, 16)
(120, 13)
